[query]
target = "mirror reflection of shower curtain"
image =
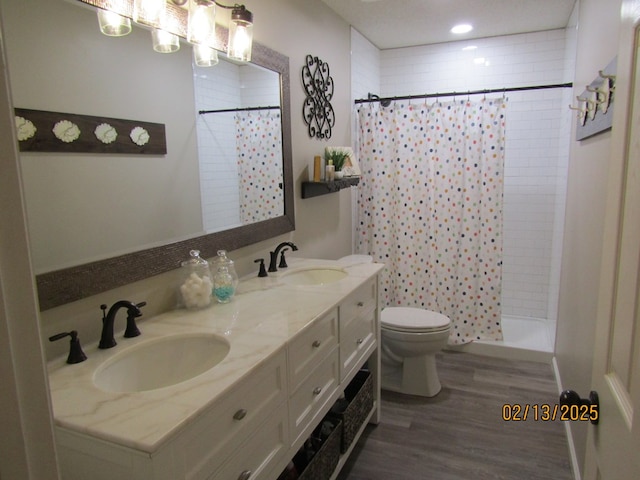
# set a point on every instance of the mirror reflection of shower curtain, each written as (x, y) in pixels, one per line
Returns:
(430, 208)
(260, 172)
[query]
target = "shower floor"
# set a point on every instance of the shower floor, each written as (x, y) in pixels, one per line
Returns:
(524, 339)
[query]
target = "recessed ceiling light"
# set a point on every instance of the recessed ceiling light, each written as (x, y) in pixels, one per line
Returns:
(469, 48)
(462, 28)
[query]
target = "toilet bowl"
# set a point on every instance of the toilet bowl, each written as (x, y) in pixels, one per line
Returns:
(411, 337)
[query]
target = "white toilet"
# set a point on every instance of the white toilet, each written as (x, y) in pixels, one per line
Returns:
(411, 337)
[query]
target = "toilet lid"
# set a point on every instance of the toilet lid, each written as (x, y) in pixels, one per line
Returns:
(406, 319)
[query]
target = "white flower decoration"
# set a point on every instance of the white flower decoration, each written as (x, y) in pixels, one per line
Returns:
(26, 129)
(66, 131)
(139, 136)
(106, 133)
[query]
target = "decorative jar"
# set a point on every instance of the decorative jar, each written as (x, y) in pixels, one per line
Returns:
(225, 278)
(196, 282)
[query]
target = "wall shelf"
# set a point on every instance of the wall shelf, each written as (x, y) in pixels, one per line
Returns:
(315, 189)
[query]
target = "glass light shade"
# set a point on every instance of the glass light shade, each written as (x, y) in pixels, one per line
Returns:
(149, 12)
(165, 42)
(202, 21)
(204, 56)
(112, 24)
(240, 40)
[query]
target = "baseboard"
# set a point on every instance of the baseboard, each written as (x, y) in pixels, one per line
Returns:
(501, 351)
(575, 467)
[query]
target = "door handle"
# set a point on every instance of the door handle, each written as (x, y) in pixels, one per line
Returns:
(573, 407)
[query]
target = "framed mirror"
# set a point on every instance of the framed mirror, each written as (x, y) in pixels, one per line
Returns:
(65, 23)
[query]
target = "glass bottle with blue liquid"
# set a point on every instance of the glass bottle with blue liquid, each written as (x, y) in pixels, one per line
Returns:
(225, 278)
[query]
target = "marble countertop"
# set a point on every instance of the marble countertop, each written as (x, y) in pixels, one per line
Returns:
(262, 317)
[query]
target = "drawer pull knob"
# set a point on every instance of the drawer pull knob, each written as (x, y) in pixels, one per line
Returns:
(240, 414)
(359, 341)
(360, 304)
(317, 390)
(316, 343)
(245, 475)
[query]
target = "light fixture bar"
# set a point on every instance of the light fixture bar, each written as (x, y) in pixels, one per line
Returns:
(237, 40)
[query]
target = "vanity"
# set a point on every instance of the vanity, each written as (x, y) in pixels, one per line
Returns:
(285, 349)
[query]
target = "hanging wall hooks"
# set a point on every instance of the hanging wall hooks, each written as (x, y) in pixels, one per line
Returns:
(595, 104)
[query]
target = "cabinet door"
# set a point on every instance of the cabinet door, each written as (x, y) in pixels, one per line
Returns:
(357, 341)
(310, 347)
(358, 304)
(259, 455)
(314, 397)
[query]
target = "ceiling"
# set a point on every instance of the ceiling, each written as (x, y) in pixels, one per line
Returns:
(404, 23)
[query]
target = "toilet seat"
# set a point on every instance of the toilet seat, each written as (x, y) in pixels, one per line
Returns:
(413, 320)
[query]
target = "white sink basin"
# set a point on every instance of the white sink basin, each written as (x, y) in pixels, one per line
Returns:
(314, 276)
(161, 363)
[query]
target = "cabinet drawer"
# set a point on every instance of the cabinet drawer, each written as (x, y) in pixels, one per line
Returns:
(255, 459)
(311, 400)
(310, 347)
(357, 304)
(220, 431)
(355, 342)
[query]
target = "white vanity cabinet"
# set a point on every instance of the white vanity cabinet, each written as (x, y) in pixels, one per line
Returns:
(253, 428)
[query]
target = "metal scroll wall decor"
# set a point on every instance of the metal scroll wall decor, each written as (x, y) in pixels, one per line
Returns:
(317, 111)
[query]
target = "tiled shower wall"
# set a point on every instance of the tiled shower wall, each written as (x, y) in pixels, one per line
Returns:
(226, 86)
(538, 129)
(216, 88)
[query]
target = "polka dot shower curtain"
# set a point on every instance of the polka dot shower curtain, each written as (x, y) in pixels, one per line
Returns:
(259, 165)
(430, 208)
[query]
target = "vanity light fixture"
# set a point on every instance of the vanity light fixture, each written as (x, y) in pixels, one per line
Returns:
(240, 33)
(164, 42)
(195, 23)
(112, 24)
(150, 12)
(204, 56)
(201, 26)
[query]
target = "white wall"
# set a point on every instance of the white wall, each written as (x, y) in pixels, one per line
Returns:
(537, 140)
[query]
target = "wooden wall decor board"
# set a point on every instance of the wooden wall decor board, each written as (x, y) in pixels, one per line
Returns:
(42, 131)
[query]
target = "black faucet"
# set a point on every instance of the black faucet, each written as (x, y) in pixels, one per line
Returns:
(133, 311)
(76, 355)
(274, 255)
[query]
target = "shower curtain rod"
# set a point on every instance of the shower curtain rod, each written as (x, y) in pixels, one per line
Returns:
(375, 98)
(245, 109)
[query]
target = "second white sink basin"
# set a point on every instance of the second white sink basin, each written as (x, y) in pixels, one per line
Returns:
(314, 276)
(161, 363)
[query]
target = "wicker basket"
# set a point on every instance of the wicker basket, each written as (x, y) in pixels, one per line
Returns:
(324, 462)
(359, 394)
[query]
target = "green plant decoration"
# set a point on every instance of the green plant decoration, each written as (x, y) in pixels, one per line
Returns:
(337, 156)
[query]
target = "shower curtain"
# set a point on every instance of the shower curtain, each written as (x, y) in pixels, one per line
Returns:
(258, 144)
(430, 208)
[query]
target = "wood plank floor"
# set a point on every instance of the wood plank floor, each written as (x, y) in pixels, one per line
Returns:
(460, 433)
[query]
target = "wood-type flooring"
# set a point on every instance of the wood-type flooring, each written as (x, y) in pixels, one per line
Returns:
(460, 434)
